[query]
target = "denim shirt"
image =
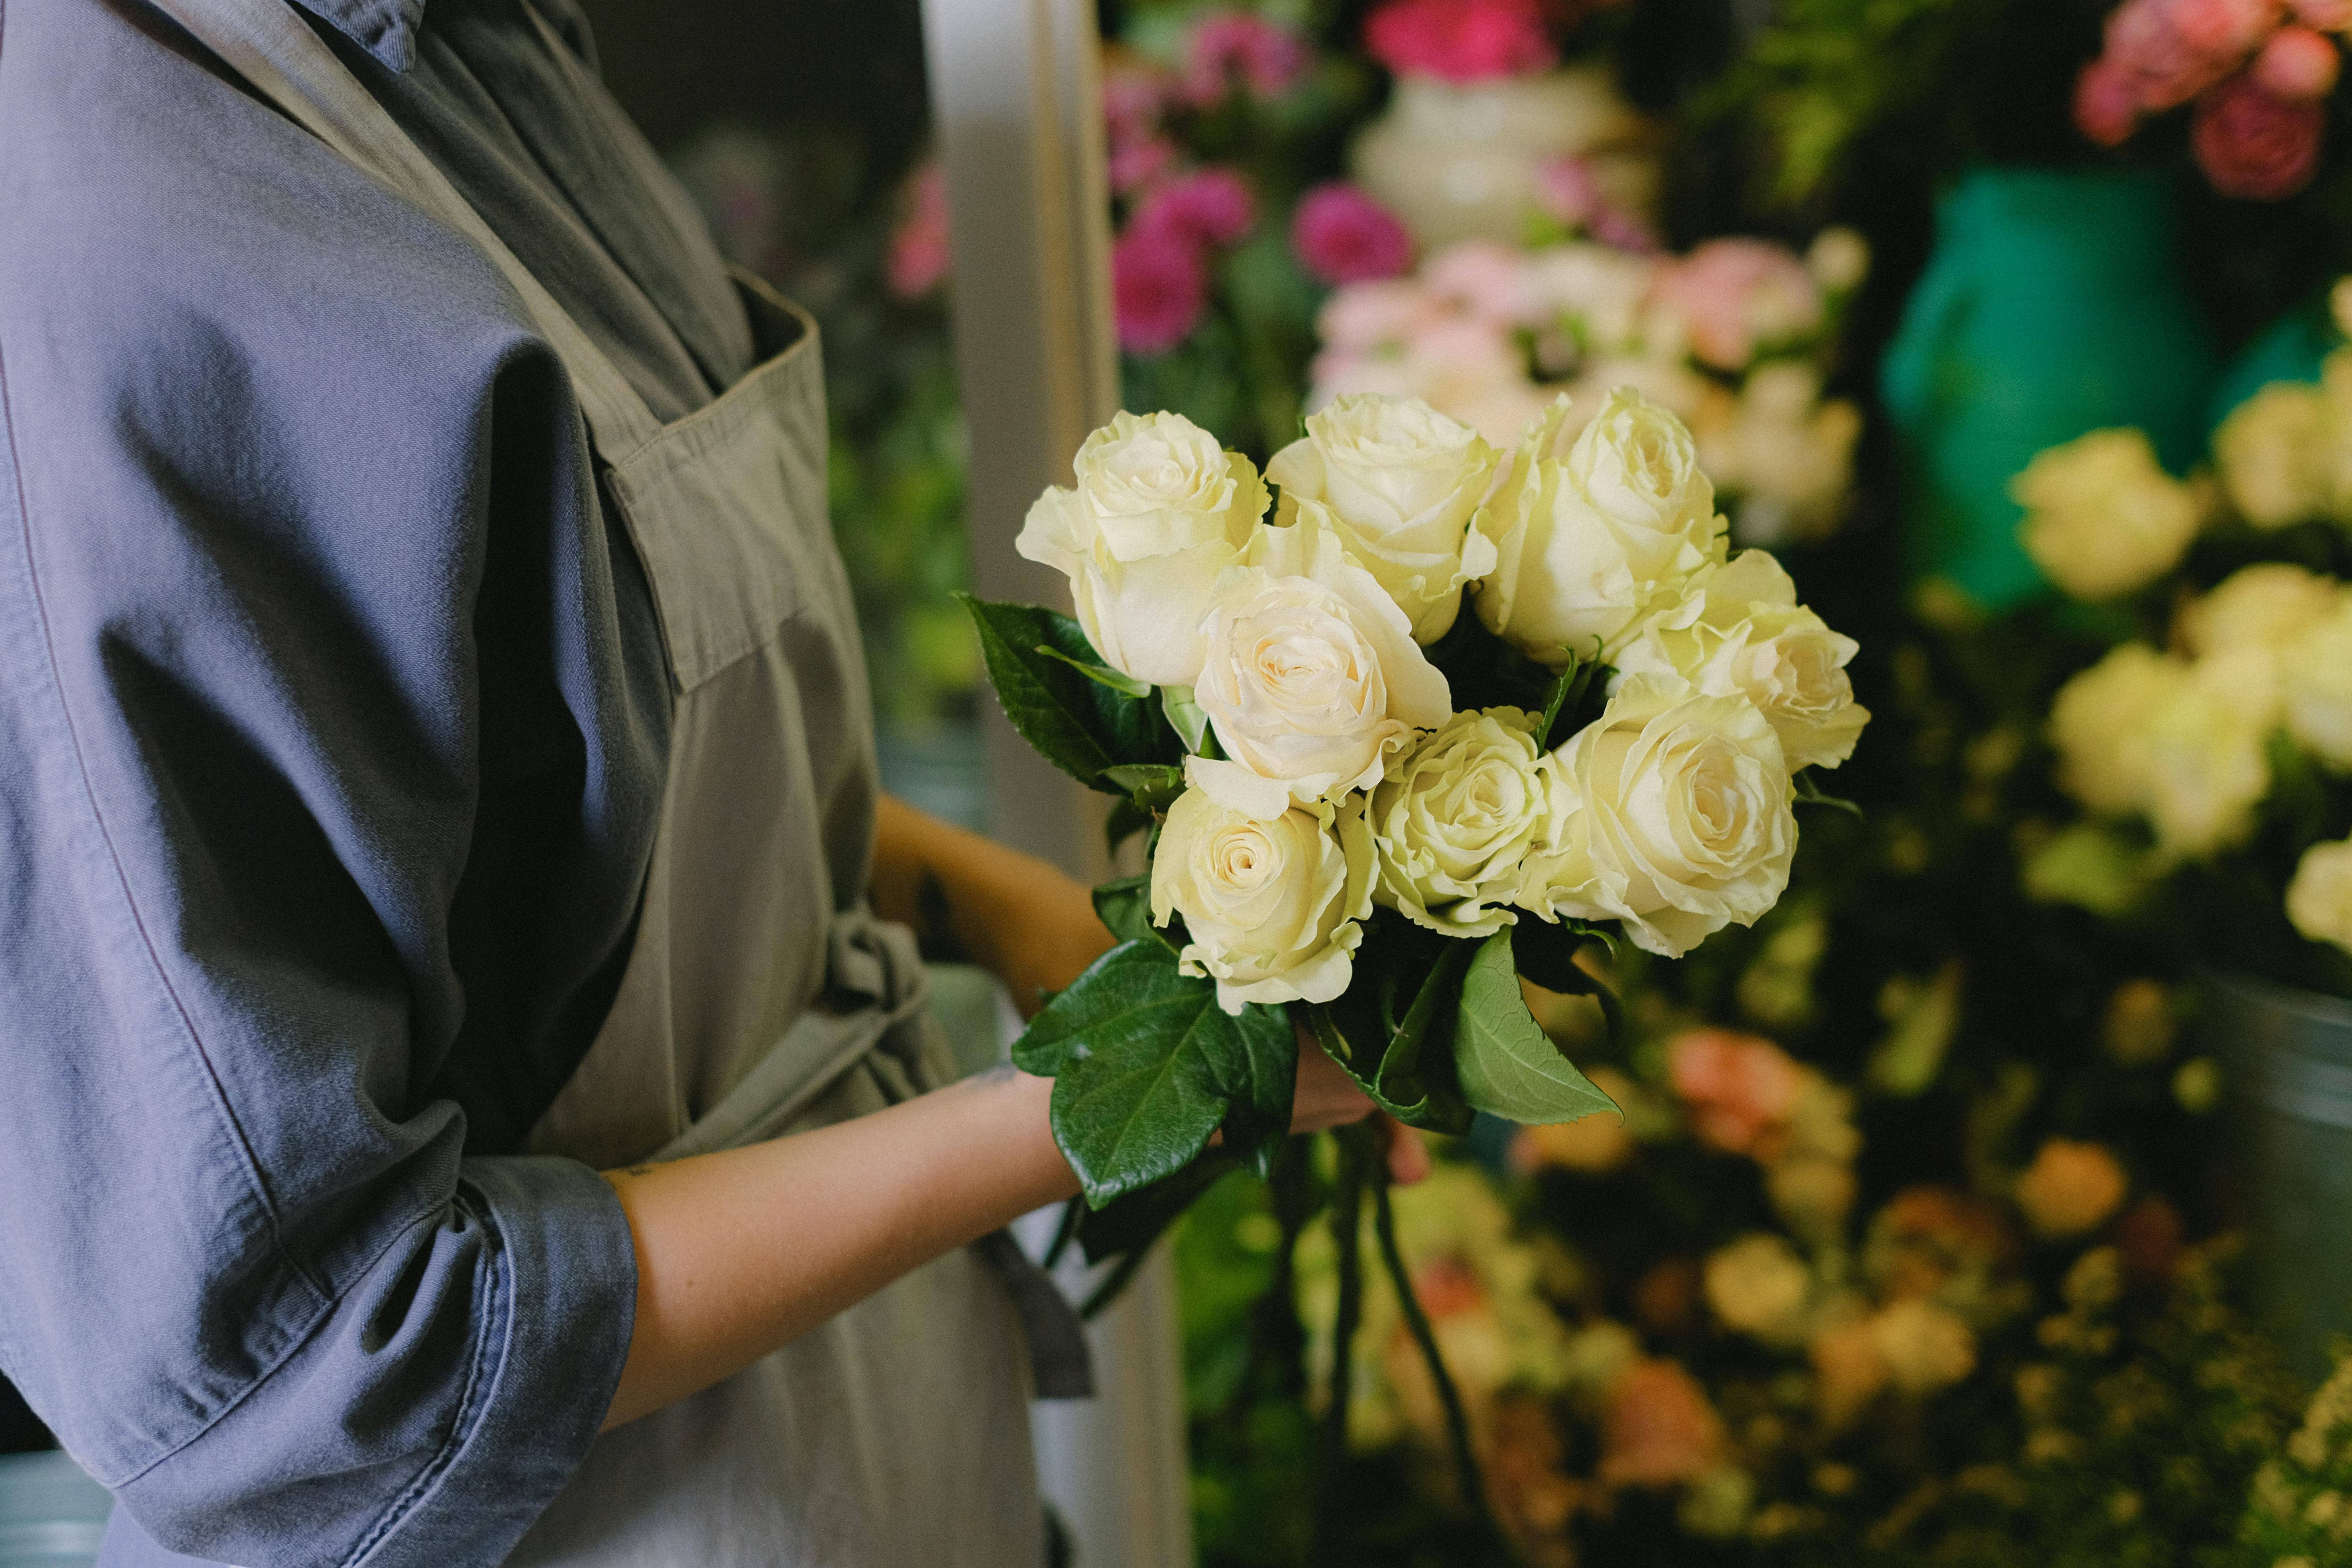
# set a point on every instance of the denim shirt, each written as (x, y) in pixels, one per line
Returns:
(333, 723)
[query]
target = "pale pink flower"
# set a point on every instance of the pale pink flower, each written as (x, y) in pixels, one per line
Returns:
(1740, 1089)
(1374, 315)
(1138, 165)
(1207, 206)
(2070, 1188)
(1135, 93)
(1157, 290)
(1460, 40)
(1342, 235)
(2106, 109)
(2224, 29)
(2297, 65)
(2146, 44)
(1565, 190)
(2254, 146)
(1235, 47)
(918, 246)
(1485, 277)
(1736, 295)
(1657, 1428)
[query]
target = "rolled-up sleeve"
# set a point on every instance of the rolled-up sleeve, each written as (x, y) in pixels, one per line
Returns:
(281, 541)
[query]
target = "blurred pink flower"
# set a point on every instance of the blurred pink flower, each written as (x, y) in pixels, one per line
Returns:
(2254, 146)
(2105, 108)
(1204, 207)
(1657, 1428)
(918, 246)
(1342, 235)
(2327, 16)
(1158, 288)
(1565, 190)
(1740, 1089)
(1374, 315)
(1230, 46)
(1736, 295)
(2224, 29)
(1134, 95)
(1485, 277)
(1460, 40)
(1139, 163)
(2146, 44)
(2297, 65)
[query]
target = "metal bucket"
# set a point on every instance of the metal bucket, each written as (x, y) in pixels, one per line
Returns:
(2287, 1057)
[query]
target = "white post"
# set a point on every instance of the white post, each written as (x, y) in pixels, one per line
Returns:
(1016, 107)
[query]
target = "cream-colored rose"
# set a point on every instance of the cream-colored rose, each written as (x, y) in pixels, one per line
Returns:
(2336, 437)
(2101, 518)
(2266, 606)
(1749, 636)
(2315, 686)
(1757, 1286)
(1923, 1346)
(2273, 455)
(1400, 483)
(2319, 897)
(1273, 905)
(1784, 450)
(2207, 766)
(1591, 533)
(1670, 813)
(1312, 678)
(2102, 722)
(1157, 513)
(2071, 1188)
(1453, 819)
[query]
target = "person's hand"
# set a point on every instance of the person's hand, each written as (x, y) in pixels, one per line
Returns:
(1326, 1097)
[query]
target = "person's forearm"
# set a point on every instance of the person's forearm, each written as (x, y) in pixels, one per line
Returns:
(741, 1252)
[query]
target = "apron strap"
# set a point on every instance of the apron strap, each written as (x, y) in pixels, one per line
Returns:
(272, 47)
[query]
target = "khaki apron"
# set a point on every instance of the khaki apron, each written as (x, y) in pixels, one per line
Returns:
(761, 995)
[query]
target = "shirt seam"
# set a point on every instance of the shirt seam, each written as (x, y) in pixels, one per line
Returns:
(258, 1187)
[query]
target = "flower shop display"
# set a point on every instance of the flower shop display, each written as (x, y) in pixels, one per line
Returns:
(1735, 337)
(1446, 716)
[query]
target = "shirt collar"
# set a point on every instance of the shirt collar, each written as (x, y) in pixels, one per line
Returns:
(384, 28)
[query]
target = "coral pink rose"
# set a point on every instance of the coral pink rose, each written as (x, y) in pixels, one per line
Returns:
(1157, 290)
(1235, 46)
(2254, 146)
(1736, 295)
(1374, 315)
(1342, 235)
(1207, 206)
(1740, 1089)
(918, 246)
(1657, 1428)
(2146, 45)
(1459, 40)
(2224, 29)
(2297, 65)
(2105, 108)
(1486, 277)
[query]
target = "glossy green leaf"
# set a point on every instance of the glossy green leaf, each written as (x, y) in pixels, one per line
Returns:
(1100, 673)
(1125, 906)
(1145, 1066)
(1075, 720)
(1508, 1065)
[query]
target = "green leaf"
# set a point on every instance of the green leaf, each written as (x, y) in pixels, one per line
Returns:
(1152, 785)
(1133, 1221)
(1809, 793)
(1102, 674)
(1545, 952)
(1508, 1065)
(1076, 722)
(1125, 906)
(1187, 717)
(1145, 1067)
(1388, 1054)
(1126, 819)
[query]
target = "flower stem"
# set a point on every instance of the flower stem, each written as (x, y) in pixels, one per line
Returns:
(1466, 1473)
(1347, 1231)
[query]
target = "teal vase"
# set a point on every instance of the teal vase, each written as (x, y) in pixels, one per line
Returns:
(2052, 305)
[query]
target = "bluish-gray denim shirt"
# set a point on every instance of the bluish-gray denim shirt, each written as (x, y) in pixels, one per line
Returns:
(332, 730)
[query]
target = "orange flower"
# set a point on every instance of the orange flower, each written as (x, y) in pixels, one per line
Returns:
(1740, 1089)
(1658, 1429)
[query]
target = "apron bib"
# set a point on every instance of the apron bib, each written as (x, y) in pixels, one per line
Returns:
(762, 996)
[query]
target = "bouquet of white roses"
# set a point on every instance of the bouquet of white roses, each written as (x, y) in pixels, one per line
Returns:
(1443, 716)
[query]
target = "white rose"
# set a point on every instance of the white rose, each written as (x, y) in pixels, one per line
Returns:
(1312, 676)
(2206, 769)
(2273, 455)
(1757, 1286)
(1273, 905)
(1670, 813)
(2267, 605)
(1452, 821)
(1786, 452)
(2101, 518)
(1591, 534)
(2315, 686)
(2319, 898)
(1398, 482)
(1158, 510)
(1748, 636)
(2102, 722)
